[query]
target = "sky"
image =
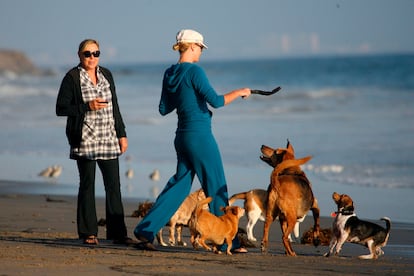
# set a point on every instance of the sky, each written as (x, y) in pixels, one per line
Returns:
(142, 31)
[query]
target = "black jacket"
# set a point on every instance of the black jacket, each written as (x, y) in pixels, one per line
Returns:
(70, 103)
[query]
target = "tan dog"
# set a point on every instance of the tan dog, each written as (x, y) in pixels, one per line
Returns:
(290, 195)
(178, 220)
(204, 226)
(348, 228)
(255, 204)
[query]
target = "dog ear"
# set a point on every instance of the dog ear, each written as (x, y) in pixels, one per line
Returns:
(200, 195)
(336, 196)
(235, 211)
(290, 149)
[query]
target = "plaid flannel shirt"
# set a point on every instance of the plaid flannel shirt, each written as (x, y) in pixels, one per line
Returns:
(99, 140)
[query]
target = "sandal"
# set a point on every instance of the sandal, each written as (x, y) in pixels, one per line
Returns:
(91, 240)
(240, 250)
(125, 241)
(145, 244)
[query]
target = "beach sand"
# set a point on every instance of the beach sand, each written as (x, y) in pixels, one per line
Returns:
(38, 237)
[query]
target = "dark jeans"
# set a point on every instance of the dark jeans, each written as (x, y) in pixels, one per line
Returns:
(86, 214)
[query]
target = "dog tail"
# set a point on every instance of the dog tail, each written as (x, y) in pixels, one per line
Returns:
(201, 203)
(388, 225)
(194, 215)
(291, 163)
(235, 197)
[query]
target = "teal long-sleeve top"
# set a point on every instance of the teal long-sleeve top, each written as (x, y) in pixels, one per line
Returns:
(187, 90)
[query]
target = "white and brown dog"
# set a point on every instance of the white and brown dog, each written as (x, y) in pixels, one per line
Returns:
(255, 203)
(348, 228)
(204, 226)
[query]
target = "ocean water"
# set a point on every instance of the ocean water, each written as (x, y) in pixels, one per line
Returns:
(354, 115)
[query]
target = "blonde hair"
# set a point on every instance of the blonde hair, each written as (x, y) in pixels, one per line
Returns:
(86, 42)
(181, 46)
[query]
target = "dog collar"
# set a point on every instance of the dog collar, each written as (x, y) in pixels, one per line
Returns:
(297, 173)
(345, 212)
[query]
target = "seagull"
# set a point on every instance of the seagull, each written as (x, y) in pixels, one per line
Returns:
(155, 175)
(51, 172)
(46, 172)
(128, 158)
(154, 191)
(56, 172)
(129, 173)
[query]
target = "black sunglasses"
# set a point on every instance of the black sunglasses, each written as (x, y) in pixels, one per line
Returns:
(201, 46)
(88, 54)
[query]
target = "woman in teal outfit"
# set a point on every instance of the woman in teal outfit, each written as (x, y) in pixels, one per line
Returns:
(187, 90)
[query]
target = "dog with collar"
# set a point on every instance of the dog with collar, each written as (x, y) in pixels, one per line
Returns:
(255, 203)
(290, 196)
(348, 228)
(205, 226)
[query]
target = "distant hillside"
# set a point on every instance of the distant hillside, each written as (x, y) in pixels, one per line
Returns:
(16, 62)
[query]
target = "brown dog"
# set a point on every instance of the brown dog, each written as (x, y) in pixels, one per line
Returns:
(255, 204)
(325, 236)
(290, 195)
(348, 228)
(204, 226)
(178, 220)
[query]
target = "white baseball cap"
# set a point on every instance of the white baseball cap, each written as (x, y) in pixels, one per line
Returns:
(191, 36)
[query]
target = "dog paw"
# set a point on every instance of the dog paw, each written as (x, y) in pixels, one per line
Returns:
(253, 239)
(181, 243)
(217, 252)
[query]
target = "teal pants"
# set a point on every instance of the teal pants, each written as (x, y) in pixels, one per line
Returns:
(197, 154)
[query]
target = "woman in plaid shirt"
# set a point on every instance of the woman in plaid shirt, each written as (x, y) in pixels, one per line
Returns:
(96, 134)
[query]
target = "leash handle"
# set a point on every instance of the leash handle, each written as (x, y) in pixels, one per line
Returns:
(265, 93)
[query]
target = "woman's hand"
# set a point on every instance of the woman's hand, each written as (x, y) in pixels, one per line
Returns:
(245, 92)
(123, 144)
(231, 96)
(97, 104)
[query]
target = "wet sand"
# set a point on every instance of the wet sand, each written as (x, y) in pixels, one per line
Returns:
(38, 237)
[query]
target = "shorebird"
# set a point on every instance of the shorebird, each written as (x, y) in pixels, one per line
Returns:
(155, 175)
(129, 173)
(46, 172)
(154, 191)
(51, 171)
(56, 172)
(128, 158)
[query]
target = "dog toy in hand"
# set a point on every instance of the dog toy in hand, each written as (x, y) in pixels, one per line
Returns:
(266, 93)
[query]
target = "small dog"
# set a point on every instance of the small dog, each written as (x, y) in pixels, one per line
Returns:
(204, 226)
(325, 236)
(290, 195)
(178, 220)
(255, 203)
(348, 228)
